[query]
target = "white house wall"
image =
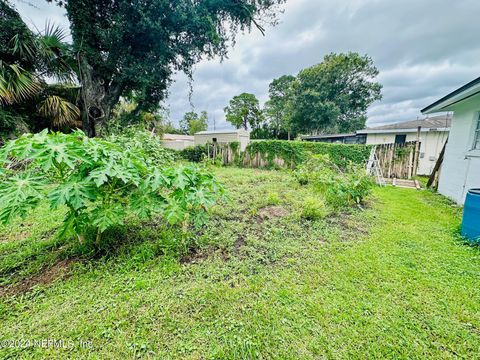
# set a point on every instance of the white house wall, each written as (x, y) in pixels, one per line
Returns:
(431, 145)
(221, 138)
(177, 144)
(377, 139)
(461, 166)
(243, 139)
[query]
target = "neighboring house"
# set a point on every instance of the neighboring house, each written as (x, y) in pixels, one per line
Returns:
(223, 137)
(337, 138)
(433, 135)
(461, 165)
(177, 142)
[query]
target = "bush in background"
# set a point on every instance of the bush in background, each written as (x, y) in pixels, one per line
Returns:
(194, 153)
(340, 187)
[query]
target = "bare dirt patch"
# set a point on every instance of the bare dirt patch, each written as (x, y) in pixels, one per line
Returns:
(25, 234)
(60, 270)
(350, 226)
(194, 257)
(21, 235)
(239, 243)
(271, 212)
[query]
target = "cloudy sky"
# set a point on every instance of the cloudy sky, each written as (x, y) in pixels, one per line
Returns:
(423, 48)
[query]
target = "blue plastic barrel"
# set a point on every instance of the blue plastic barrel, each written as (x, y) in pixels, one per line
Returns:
(471, 216)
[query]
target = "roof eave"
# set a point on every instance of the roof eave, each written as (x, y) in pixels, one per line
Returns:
(396, 131)
(328, 136)
(448, 102)
(220, 132)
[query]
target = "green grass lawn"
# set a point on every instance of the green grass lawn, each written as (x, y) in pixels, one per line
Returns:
(393, 281)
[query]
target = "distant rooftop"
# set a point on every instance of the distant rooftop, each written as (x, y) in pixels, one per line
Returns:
(240, 131)
(432, 123)
(331, 136)
(177, 137)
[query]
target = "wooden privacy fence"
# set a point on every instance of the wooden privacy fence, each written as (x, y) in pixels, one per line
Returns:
(222, 151)
(229, 155)
(398, 160)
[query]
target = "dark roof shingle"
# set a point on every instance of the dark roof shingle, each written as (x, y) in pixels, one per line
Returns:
(435, 122)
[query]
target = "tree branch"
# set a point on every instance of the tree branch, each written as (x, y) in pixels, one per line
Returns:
(259, 27)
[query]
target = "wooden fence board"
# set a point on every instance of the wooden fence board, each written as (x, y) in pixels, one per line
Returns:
(398, 160)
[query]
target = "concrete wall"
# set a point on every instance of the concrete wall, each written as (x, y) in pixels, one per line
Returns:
(242, 138)
(461, 167)
(431, 145)
(244, 141)
(177, 144)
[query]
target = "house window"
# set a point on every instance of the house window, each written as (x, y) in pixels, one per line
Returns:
(476, 143)
(400, 139)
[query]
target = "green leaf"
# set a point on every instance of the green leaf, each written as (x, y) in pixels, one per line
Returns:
(56, 153)
(174, 213)
(144, 203)
(19, 194)
(180, 180)
(74, 194)
(159, 180)
(68, 227)
(99, 176)
(100, 182)
(107, 216)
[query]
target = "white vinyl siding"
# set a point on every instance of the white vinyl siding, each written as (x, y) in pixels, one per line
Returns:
(461, 166)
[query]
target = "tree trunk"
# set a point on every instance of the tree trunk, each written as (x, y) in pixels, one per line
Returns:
(95, 100)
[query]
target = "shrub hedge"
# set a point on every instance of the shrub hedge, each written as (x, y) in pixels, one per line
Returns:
(194, 153)
(296, 152)
(340, 187)
(293, 153)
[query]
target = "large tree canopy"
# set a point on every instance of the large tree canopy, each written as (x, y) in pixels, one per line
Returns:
(127, 46)
(277, 109)
(244, 111)
(193, 122)
(334, 95)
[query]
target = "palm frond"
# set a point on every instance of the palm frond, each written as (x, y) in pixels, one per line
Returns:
(68, 91)
(59, 110)
(55, 58)
(54, 31)
(23, 47)
(17, 84)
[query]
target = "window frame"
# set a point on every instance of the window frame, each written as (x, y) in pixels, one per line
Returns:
(403, 137)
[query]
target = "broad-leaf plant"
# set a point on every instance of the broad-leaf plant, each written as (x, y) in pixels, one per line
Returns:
(100, 182)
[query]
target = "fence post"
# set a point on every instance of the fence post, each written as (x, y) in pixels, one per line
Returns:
(417, 152)
(410, 162)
